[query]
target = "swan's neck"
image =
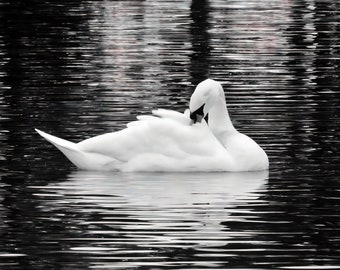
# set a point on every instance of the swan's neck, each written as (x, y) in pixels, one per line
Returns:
(219, 120)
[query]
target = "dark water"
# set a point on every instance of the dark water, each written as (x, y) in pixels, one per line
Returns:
(82, 68)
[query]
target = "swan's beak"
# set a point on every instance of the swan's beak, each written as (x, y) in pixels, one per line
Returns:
(197, 115)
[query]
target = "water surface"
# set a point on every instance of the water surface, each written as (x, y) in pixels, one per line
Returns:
(81, 68)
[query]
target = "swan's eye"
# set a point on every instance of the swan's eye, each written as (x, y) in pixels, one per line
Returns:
(197, 115)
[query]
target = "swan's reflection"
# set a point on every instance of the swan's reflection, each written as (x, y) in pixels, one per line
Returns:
(166, 189)
(154, 209)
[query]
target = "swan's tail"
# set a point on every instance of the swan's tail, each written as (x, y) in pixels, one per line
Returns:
(83, 160)
(69, 149)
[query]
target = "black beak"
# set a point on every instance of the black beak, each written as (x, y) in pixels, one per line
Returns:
(197, 115)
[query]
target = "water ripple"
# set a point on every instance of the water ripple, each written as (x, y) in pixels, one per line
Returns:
(82, 68)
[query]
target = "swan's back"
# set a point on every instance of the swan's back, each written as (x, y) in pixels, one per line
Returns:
(168, 142)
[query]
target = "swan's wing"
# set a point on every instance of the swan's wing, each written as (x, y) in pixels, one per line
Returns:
(170, 114)
(170, 135)
(181, 118)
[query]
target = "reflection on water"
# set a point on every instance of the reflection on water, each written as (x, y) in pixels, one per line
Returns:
(120, 215)
(81, 68)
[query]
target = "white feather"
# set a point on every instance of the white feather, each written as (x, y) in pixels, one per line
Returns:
(167, 141)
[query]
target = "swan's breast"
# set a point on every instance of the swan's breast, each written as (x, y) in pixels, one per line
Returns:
(246, 153)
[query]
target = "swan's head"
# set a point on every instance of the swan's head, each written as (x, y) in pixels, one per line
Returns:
(205, 96)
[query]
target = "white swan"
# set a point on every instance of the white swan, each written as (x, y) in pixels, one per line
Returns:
(172, 141)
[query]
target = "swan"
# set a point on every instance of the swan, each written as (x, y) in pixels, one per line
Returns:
(168, 140)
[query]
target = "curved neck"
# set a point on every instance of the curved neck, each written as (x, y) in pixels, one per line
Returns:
(218, 118)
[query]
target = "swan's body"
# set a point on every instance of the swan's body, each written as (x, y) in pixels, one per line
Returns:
(170, 141)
